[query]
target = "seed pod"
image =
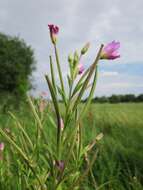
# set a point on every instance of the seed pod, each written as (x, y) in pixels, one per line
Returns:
(85, 48)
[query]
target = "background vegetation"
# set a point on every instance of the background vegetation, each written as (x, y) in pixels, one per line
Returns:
(119, 159)
(118, 98)
(16, 65)
(119, 164)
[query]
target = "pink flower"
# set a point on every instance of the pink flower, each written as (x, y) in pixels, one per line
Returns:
(61, 124)
(1, 146)
(80, 68)
(54, 30)
(110, 51)
(60, 165)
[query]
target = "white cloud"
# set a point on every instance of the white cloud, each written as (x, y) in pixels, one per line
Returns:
(123, 85)
(108, 73)
(79, 21)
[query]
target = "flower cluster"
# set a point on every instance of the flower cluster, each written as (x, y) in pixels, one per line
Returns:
(57, 156)
(54, 30)
(110, 51)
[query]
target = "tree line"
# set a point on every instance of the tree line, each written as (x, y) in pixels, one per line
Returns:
(118, 98)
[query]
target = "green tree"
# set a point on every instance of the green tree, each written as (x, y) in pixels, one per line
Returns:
(139, 98)
(114, 99)
(128, 98)
(16, 65)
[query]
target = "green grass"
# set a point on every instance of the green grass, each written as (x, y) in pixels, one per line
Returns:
(119, 165)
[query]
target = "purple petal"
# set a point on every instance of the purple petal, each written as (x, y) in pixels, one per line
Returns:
(80, 68)
(110, 51)
(1, 146)
(109, 48)
(114, 56)
(60, 165)
(53, 29)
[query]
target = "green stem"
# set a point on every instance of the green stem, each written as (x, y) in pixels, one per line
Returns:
(70, 97)
(52, 74)
(78, 181)
(87, 79)
(74, 132)
(59, 68)
(68, 105)
(56, 106)
(21, 128)
(91, 93)
(37, 118)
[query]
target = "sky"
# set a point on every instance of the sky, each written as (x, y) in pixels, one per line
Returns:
(81, 21)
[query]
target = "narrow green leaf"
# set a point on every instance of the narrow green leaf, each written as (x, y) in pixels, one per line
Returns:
(52, 74)
(81, 178)
(54, 98)
(81, 80)
(62, 95)
(59, 69)
(35, 113)
(69, 80)
(77, 88)
(56, 106)
(87, 79)
(14, 145)
(22, 129)
(83, 111)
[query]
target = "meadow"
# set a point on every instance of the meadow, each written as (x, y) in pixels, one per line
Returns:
(119, 162)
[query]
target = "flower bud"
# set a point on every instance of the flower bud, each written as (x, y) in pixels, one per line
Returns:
(80, 68)
(60, 165)
(70, 58)
(76, 57)
(54, 30)
(85, 48)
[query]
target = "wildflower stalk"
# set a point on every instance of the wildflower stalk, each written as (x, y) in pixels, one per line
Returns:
(70, 92)
(79, 142)
(35, 113)
(84, 86)
(14, 144)
(40, 126)
(21, 128)
(69, 103)
(91, 93)
(23, 155)
(61, 163)
(59, 69)
(52, 74)
(68, 156)
(56, 106)
(80, 82)
(74, 132)
(81, 178)
(87, 79)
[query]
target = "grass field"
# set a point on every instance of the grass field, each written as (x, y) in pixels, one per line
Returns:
(119, 164)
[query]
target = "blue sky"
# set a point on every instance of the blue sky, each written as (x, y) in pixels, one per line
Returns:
(81, 21)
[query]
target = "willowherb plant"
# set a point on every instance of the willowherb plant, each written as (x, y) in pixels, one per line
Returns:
(55, 157)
